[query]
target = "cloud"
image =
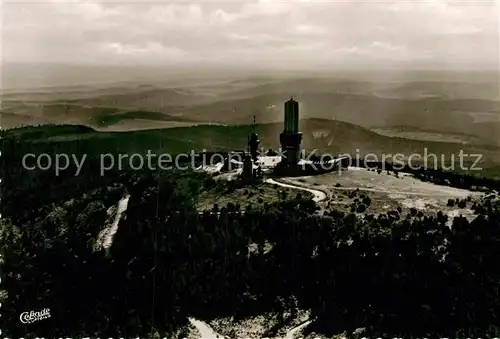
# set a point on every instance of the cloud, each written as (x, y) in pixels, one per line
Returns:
(309, 30)
(175, 14)
(259, 33)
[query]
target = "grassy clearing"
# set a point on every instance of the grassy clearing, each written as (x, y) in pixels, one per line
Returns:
(255, 196)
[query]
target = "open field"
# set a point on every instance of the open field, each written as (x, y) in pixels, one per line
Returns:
(427, 135)
(142, 124)
(261, 326)
(481, 117)
(255, 196)
(388, 192)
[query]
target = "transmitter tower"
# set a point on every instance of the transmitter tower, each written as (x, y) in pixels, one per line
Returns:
(253, 142)
(291, 138)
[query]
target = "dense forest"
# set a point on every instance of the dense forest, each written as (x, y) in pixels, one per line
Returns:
(394, 275)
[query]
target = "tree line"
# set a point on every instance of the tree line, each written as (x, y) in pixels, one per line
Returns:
(408, 277)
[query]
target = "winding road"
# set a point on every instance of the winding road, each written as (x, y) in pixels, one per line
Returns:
(297, 328)
(318, 195)
(206, 332)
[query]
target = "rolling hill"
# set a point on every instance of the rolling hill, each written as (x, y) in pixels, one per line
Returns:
(332, 137)
(447, 116)
(447, 107)
(24, 114)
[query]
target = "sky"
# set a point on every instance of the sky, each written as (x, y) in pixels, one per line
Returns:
(254, 34)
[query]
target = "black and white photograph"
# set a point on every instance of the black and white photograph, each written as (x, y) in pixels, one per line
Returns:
(252, 169)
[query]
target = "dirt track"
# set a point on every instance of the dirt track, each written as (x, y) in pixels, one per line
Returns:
(388, 191)
(206, 332)
(318, 195)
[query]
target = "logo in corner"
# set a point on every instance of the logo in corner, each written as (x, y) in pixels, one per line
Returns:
(32, 316)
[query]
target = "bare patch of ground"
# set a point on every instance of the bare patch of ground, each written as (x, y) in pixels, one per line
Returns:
(140, 124)
(314, 335)
(295, 326)
(427, 135)
(262, 326)
(344, 200)
(485, 116)
(252, 327)
(188, 332)
(387, 192)
(250, 195)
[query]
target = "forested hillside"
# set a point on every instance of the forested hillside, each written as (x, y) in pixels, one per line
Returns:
(167, 263)
(393, 274)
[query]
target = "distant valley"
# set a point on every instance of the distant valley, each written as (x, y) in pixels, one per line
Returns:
(455, 112)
